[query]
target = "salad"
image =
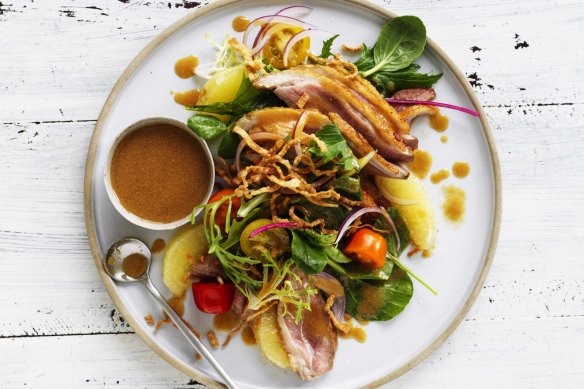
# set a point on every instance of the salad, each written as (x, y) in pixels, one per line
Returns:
(316, 204)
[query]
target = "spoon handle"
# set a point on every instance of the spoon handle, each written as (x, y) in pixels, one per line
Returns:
(182, 327)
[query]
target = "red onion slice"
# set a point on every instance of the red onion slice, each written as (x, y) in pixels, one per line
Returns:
(297, 38)
(435, 104)
(271, 226)
(360, 212)
(293, 6)
(262, 31)
(322, 181)
(292, 41)
(299, 129)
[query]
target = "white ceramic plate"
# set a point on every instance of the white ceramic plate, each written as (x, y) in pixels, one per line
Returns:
(456, 269)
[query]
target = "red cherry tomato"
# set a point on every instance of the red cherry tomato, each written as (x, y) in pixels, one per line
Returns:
(222, 211)
(368, 248)
(213, 297)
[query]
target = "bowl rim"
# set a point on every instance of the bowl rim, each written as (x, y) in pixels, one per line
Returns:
(131, 217)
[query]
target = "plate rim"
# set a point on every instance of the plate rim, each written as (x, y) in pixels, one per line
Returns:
(90, 168)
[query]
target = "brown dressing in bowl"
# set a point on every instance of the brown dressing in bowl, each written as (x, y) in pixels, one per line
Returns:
(160, 172)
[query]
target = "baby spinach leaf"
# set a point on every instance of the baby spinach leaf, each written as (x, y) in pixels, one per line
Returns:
(336, 255)
(391, 82)
(310, 259)
(325, 243)
(389, 63)
(400, 43)
(366, 60)
(317, 239)
(207, 127)
(326, 47)
(379, 300)
(332, 216)
(356, 271)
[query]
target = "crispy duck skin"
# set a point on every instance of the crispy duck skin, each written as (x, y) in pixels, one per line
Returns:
(359, 104)
(377, 166)
(312, 343)
(281, 121)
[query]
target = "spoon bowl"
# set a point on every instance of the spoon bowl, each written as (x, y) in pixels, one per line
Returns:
(117, 264)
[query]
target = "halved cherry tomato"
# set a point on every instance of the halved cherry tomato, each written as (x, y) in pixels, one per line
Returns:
(273, 52)
(368, 248)
(222, 211)
(213, 297)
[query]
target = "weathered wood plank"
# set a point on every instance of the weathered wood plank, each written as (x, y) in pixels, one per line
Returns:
(480, 354)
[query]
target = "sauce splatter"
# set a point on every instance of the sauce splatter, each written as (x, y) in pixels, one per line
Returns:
(439, 122)
(357, 333)
(248, 337)
(240, 23)
(443, 139)
(186, 67)
(439, 176)
(158, 245)
(421, 164)
(187, 98)
(426, 254)
(454, 203)
(225, 321)
(460, 169)
(178, 305)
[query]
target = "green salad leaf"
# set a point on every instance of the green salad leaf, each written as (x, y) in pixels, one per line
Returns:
(379, 300)
(332, 216)
(389, 64)
(326, 47)
(310, 259)
(402, 231)
(390, 82)
(400, 43)
(348, 186)
(360, 272)
(207, 127)
(337, 148)
(228, 146)
(246, 100)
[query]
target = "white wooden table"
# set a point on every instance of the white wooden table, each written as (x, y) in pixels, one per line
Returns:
(60, 58)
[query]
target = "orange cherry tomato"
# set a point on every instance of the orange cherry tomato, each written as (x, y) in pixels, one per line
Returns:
(368, 248)
(221, 213)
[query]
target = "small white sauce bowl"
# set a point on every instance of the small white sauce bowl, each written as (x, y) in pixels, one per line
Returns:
(137, 220)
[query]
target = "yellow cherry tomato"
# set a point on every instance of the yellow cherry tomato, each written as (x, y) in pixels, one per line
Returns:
(273, 52)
